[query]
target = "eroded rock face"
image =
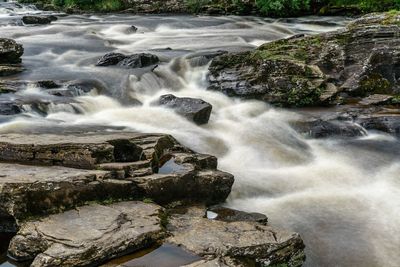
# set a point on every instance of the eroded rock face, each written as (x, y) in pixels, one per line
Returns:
(237, 243)
(194, 109)
(108, 166)
(88, 235)
(307, 71)
(131, 61)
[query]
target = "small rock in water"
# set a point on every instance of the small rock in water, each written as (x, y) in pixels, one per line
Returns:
(110, 59)
(140, 60)
(37, 19)
(194, 109)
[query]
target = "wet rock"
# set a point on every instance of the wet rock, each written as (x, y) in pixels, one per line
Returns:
(389, 123)
(10, 51)
(140, 60)
(37, 19)
(376, 99)
(110, 59)
(240, 243)
(194, 109)
(9, 108)
(117, 166)
(8, 70)
(319, 128)
(88, 235)
(314, 70)
(230, 215)
(203, 58)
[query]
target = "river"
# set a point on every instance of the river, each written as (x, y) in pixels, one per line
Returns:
(341, 195)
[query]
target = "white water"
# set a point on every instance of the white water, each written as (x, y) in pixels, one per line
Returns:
(342, 196)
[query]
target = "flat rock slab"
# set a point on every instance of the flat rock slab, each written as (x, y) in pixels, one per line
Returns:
(119, 166)
(88, 235)
(239, 242)
(37, 190)
(84, 151)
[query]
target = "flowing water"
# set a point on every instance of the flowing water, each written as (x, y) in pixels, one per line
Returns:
(342, 196)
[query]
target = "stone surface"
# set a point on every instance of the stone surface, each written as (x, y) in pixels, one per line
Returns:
(194, 109)
(36, 20)
(376, 99)
(10, 51)
(88, 235)
(108, 166)
(131, 61)
(328, 68)
(236, 243)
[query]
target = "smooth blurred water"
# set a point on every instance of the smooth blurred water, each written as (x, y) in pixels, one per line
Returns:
(342, 196)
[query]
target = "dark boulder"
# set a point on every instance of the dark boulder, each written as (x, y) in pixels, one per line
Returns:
(140, 60)
(194, 109)
(9, 108)
(319, 128)
(110, 59)
(10, 51)
(384, 123)
(37, 19)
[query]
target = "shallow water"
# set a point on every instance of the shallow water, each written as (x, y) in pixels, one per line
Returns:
(342, 196)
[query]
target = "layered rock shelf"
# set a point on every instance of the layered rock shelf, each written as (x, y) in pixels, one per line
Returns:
(83, 199)
(354, 70)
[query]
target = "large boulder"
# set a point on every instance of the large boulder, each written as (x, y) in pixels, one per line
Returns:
(140, 60)
(235, 243)
(194, 109)
(330, 68)
(88, 235)
(10, 57)
(10, 51)
(107, 166)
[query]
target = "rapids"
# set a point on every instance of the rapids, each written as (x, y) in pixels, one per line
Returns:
(342, 196)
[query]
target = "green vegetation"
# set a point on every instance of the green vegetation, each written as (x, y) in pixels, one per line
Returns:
(274, 8)
(301, 7)
(95, 5)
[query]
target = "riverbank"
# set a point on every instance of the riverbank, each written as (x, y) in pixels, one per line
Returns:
(269, 8)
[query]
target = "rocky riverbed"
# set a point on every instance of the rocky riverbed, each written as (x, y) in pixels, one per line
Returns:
(106, 126)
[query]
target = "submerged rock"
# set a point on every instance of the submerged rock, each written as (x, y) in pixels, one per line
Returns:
(359, 61)
(88, 235)
(140, 60)
(194, 109)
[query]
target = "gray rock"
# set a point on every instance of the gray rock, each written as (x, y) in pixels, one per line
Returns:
(389, 123)
(313, 70)
(376, 99)
(8, 70)
(231, 215)
(108, 166)
(10, 51)
(88, 235)
(320, 128)
(37, 19)
(194, 109)
(110, 59)
(140, 60)
(235, 242)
